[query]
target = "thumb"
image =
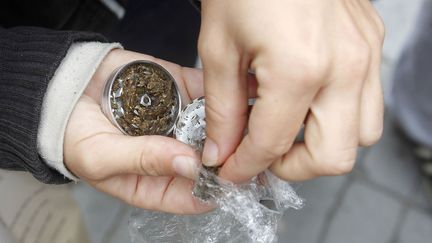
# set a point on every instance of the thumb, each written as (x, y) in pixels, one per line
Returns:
(114, 154)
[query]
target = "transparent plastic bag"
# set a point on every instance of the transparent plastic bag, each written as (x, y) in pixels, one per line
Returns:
(240, 216)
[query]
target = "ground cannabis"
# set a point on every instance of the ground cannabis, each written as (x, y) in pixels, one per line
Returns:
(144, 99)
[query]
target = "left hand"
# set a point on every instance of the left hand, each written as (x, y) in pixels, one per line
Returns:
(138, 170)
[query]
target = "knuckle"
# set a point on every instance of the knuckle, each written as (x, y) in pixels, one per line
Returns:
(148, 163)
(313, 74)
(315, 66)
(336, 168)
(333, 163)
(315, 63)
(342, 167)
(359, 54)
(355, 59)
(371, 137)
(151, 169)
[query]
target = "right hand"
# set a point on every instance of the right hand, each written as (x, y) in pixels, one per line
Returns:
(317, 63)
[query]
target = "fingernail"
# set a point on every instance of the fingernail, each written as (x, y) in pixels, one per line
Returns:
(185, 166)
(210, 153)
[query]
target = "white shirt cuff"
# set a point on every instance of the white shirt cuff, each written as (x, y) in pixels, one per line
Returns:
(64, 90)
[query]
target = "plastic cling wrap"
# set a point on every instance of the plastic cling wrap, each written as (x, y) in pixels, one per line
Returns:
(248, 212)
(240, 217)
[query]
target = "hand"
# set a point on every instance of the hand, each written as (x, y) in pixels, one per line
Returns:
(317, 63)
(143, 171)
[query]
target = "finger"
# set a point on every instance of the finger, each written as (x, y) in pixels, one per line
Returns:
(331, 140)
(225, 79)
(331, 129)
(281, 106)
(372, 105)
(103, 155)
(372, 101)
(162, 193)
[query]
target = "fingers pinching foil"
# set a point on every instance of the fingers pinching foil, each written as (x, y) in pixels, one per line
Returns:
(190, 129)
(142, 98)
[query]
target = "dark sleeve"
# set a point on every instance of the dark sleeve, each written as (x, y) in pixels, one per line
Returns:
(29, 57)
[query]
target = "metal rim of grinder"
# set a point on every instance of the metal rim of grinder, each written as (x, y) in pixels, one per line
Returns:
(154, 106)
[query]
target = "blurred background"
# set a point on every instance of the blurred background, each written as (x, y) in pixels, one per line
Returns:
(381, 201)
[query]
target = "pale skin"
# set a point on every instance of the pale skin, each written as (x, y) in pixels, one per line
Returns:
(316, 63)
(137, 170)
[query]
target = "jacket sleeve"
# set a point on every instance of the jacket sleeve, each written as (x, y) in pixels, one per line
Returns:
(29, 57)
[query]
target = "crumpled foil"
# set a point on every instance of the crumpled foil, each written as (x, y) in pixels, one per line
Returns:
(248, 212)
